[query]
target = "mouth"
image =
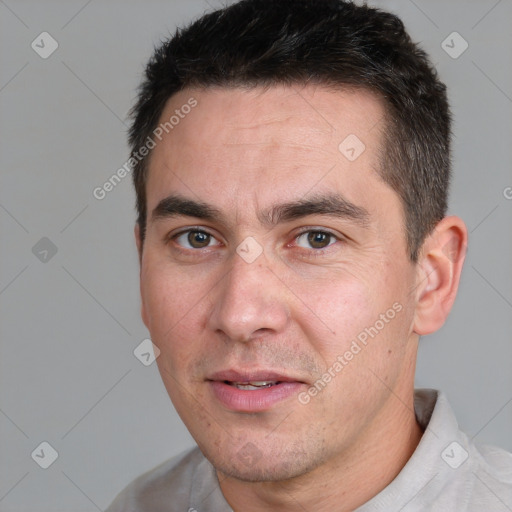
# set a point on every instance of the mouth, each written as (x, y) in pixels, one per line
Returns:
(252, 391)
(250, 386)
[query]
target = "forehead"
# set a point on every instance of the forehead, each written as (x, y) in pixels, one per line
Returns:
(256, 115)
(238, 146)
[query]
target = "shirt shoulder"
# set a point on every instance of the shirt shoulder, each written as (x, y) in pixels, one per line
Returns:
(448, 471)
(491, 472)
(165, 488)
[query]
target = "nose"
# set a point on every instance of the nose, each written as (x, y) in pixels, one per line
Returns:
(249, 302)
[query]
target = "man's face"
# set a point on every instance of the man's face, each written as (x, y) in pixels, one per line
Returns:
(276, 296)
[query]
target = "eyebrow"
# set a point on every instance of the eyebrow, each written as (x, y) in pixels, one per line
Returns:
(176, 205)
(332, 205)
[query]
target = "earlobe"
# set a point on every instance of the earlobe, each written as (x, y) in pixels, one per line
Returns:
(439, 269)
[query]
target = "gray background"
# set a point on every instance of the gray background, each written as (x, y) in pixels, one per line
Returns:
(69, 325)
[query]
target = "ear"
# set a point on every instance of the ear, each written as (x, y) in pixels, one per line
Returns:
(438, 273)
(138, 241)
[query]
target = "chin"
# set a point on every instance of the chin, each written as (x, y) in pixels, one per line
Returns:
(263, 472)
(248, 464)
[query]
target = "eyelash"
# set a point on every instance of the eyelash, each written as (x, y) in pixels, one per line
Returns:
(184, 232)
(319, 252)
(311, 252)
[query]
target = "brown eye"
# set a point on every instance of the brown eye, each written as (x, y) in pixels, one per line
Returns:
(194, 239)
(198, 239)
(316, 239)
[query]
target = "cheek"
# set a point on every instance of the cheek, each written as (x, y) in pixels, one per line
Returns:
(335, 308)
(361, 318)
(173, 308)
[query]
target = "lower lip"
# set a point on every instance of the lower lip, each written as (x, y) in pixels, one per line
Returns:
(257, 400)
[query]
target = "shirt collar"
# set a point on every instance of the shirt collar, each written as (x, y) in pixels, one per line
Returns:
(432, 465)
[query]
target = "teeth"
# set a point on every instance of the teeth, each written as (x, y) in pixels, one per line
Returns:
(258, 384)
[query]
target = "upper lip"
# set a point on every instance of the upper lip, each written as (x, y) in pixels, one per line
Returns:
(251, 376)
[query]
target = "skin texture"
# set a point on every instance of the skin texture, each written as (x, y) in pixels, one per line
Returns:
(296, 307)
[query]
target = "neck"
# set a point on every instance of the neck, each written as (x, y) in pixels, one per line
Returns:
(346, 481)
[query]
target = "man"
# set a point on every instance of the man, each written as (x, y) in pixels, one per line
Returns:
(291, 168)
